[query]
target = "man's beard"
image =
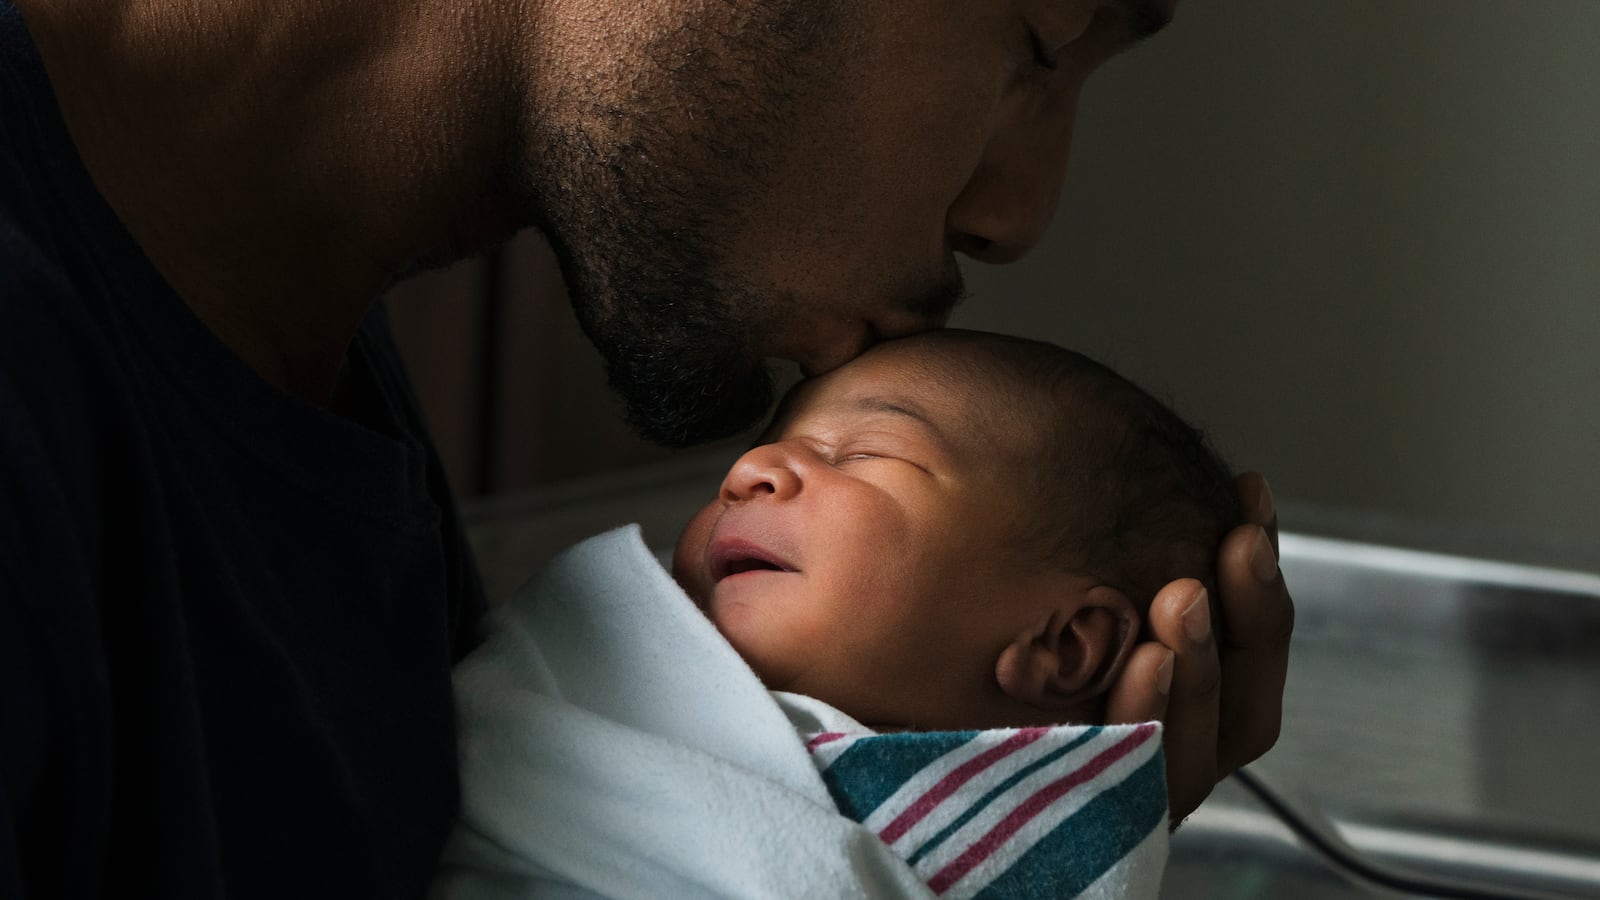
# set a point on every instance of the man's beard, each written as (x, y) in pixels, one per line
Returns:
(639, 193)
(677, 340)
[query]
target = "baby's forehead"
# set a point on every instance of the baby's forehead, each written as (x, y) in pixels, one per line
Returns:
(874, 382)
(969, 395)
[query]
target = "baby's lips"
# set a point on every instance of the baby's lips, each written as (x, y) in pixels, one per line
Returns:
(732, 555)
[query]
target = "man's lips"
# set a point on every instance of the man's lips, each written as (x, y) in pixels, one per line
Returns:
(734, 556)
(835, 355)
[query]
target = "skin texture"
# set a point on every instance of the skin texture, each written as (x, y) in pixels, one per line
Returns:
(884, 511)
(282, 163)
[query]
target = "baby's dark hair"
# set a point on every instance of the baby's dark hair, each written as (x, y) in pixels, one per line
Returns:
(1126, 490)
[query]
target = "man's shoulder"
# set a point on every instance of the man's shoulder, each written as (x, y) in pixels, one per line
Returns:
(74, 446)
(68, 429)
(24, 265)
(53, 349)
(47, 328)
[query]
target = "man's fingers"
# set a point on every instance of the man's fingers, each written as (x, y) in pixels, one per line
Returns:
(1180, 618)
(1140, 694)
(1254, 651)
(1225, 705)
(1255, 499)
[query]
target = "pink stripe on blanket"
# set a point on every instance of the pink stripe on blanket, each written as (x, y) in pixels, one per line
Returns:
(985, 846)
(950, 783)
(827, 737)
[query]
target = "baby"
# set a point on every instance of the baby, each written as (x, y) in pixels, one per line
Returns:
(957, 530)
(952, 539)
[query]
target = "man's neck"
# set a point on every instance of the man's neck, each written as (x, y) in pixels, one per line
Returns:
(281, 163)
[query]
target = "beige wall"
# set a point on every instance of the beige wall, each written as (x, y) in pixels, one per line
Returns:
(1361, 242)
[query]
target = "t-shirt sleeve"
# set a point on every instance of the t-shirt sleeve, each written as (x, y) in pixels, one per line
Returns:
(28, 643)
(22, 716)
(51, 665)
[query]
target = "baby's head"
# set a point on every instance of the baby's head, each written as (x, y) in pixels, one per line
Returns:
(956, 530)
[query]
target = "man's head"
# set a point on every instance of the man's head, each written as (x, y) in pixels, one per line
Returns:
(725, 183)
(955, 530)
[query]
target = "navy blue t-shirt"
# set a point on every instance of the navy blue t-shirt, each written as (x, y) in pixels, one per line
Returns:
(227, 616)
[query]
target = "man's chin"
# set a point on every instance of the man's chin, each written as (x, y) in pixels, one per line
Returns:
(684, 412)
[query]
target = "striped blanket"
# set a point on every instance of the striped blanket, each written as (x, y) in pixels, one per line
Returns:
(1032, 812)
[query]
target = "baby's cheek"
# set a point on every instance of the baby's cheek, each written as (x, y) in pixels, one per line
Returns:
(781, 647)
(688, 557)
(744, 628)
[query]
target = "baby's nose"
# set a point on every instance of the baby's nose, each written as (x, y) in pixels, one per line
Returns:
(767, 470)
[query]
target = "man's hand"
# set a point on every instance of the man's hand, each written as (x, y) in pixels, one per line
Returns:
(1222, 701)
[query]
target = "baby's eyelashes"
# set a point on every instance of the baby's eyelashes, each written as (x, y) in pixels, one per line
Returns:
(879, 456)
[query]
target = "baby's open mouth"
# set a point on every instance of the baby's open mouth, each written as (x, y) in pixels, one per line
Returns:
(736, 557)
(737, 566)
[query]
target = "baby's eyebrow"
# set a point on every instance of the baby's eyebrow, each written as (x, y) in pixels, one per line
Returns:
(906, 408)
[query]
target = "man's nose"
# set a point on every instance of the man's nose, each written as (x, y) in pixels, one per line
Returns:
(769, 470)
(1007, 204)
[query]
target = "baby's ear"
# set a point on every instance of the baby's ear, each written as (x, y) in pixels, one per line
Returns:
(1073, 654)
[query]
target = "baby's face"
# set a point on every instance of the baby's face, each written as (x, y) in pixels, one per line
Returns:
(863, 555)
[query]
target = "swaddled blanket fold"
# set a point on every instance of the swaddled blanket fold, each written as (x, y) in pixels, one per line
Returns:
(613, 745)
(1068, 811)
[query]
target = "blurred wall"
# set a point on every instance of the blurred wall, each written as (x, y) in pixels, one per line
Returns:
(1358, 240)
(1361, 242)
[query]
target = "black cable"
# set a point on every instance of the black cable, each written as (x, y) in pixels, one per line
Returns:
(1340, 854)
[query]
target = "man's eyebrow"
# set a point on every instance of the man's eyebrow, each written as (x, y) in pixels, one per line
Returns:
(1146, 17)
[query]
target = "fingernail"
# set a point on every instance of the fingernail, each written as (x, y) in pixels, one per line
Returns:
(1164, 676)
(1197, 618)
(1266, 509)
(1263, 562)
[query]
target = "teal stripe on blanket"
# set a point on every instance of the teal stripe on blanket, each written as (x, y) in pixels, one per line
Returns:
(1000, 789)
(870, 771)
(1095, 838)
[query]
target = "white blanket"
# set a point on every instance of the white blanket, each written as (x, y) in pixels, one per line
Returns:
(613, 745)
